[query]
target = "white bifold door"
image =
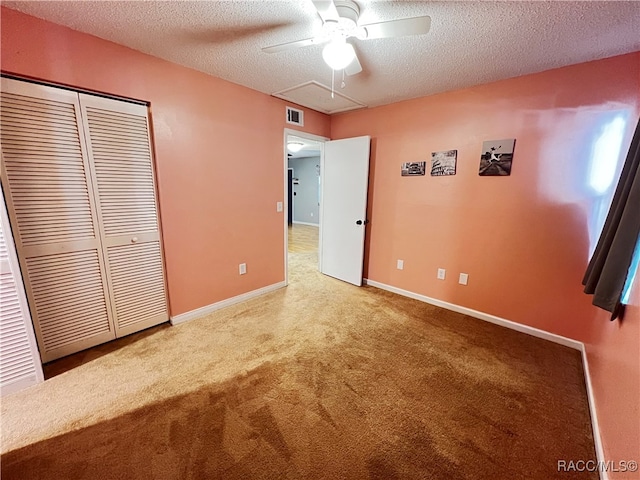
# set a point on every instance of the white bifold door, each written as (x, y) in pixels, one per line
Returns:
(19, 360)
(78, 177)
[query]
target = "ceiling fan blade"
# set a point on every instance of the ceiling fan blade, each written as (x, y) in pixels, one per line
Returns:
(354, 67)
(327, 10)
(398, 28)
(291, 45)
(231, 34)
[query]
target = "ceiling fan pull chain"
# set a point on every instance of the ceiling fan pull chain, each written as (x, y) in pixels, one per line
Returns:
(333, 76)
(342, 85)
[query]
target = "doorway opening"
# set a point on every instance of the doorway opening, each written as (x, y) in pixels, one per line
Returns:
(303, 167)
(341, 174)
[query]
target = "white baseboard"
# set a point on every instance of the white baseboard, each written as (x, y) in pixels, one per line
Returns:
(206, 310)
(306, 223)
(535, 332)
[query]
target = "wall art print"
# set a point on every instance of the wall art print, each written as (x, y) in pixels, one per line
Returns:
(410, 169)
(443, 163)
(496, 158)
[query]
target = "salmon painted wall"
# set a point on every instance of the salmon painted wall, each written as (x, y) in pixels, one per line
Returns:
(614, 360)
(524, 240)
(219, 154)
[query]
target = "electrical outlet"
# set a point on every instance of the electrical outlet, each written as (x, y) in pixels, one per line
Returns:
(312, 214)
(441, 273)
(464, 279)
(242, 268)
(400, 264)
(279, 207)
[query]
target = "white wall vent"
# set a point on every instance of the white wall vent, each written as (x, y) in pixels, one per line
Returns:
(295, 116)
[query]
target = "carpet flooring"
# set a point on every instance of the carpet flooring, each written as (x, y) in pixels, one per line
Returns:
(319, 380)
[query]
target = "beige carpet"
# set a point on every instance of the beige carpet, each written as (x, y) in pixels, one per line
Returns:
(318, 380)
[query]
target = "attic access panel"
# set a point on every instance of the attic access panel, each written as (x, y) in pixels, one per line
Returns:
(317, 96)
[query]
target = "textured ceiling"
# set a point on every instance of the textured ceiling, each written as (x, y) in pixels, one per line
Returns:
(469, 43)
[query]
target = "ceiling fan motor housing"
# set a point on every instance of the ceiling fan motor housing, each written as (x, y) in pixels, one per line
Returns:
(348, 9)
(346, 25)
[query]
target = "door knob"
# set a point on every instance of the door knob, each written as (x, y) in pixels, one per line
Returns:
(359, 222)
(134, 239)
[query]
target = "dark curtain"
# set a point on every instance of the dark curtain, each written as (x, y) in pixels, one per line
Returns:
(608, 269)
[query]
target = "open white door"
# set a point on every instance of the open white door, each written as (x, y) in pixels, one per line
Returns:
(20, 365)
(344, 208)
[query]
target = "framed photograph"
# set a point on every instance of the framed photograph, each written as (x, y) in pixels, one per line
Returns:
(443, 163)
(410, 169)
(496, 158)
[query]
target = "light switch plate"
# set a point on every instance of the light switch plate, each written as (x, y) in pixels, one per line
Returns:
(279, 206)
(464, 279)
(441, 273)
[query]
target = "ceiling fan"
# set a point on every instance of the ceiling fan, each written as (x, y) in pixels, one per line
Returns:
(340, 23)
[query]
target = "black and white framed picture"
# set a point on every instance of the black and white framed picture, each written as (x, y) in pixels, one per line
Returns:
(443, 163)
(410, 169)
(496, 158)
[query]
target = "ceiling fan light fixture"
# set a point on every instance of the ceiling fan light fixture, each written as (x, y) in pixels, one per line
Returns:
(338, 54)
(294, 146)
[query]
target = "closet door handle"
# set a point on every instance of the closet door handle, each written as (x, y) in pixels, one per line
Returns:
(134, 239)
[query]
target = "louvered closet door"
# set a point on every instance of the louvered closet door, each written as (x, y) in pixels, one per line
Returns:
(53, 212)
(117, 136)
(19, 360)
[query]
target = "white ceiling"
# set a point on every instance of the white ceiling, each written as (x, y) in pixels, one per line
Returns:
(469, 43)
(310, 148)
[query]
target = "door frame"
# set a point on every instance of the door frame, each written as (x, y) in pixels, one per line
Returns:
(290, 195)
(316, 138)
